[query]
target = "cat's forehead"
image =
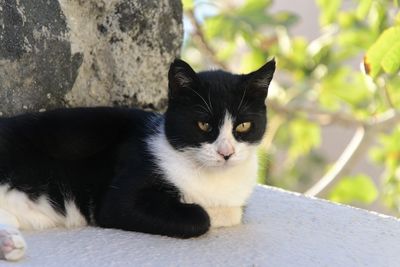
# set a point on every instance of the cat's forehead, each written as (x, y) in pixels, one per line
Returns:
(225, 92)
(219, 80)
(220, 86)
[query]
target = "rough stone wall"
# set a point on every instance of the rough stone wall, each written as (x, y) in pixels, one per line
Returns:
(57, 53)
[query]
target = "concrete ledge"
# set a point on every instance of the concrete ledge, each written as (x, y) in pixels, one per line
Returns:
(280, 229)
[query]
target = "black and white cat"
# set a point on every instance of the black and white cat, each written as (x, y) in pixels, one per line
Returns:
(175, 174)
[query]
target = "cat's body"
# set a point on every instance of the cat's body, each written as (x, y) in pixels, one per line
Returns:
(174, 174)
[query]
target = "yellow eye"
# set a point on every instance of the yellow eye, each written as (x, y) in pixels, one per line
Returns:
(243, 127)
(204, 126)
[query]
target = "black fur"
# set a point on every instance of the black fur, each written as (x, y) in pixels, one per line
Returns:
(99, 158)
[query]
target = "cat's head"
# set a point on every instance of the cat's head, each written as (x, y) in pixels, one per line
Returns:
(216, 118)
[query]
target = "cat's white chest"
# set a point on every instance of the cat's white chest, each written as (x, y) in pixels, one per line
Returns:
(222, 188)
(228, 187)
(221, 191)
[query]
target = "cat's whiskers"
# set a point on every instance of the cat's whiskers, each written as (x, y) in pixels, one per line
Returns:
(209, 98)
(241, 100)
(113, 187)
(253, 113)
(204, 108)
(200, 167)
(198, 161)
(208, 107)
(244, 107)
(154, 123)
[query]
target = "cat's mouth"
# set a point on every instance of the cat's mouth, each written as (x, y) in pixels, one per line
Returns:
(212, 160)
(221, 164)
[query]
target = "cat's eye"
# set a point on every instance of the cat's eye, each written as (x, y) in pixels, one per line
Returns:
(243, 127)
(204, 126)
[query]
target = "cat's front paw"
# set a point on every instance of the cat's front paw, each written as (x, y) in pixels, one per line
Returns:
(224, 216)
(12, 244)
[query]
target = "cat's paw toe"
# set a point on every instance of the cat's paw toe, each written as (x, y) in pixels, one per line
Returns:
(225, 216)
(12, 245)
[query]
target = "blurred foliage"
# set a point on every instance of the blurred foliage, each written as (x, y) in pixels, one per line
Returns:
(384, 54)
(388, 154)
(314, 77)
(352, 189)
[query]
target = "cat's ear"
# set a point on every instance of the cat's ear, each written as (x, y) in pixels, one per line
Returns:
(258, 81)
(180, 77)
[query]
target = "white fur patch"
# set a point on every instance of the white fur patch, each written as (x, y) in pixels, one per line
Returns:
(225, 216)
(18, 210)
(12, 244)
(205, 178)
(225, 143)
(73, 216)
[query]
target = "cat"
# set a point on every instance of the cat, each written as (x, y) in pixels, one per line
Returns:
(175, 174)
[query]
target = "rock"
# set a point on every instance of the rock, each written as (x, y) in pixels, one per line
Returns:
(86, 53)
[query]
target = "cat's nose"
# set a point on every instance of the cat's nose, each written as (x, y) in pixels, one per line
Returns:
(226, 150)
(225, 156)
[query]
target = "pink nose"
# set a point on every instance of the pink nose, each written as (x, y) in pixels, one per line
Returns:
(226, 150)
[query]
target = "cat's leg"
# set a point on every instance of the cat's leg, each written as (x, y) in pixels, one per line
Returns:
(224, 216)
(12, 243)
(153, 211)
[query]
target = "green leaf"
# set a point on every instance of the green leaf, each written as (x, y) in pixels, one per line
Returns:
(188, 4)
(252, 61)
(363, 8)
(354, 189)
(221, 27)
(230, 48)
(284, 18)
(378, 16)
(391, 61)
(253, 15)
(388, 151)
(262, 165)
(254, 6)
(397, 19)
(360, 39)
(330, 9)
(346, 19)
(305, 136)
(345, 85)
(393, 86)
(384, 53)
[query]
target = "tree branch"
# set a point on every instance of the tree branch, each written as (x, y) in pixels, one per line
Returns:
(316, 115)
(347, 159)
(354, 150)
(201, 41)
(384, 121)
